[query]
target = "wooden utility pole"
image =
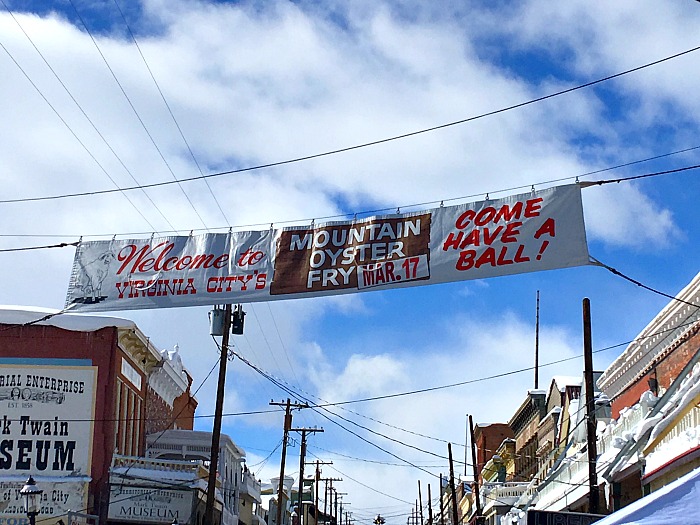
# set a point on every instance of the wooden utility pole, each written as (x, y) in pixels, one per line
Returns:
(287, 427)
(455, 521)
(476, 470)
(317, 478)
(302, 456)
(218, 414)
(442, 502)
(430, 507)
(420, 504)
(336, 503)
(593, 494)
(325, 499)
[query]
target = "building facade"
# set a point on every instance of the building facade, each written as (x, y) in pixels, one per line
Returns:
(74, 391)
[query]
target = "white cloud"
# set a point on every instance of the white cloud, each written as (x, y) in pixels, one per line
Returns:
(624, 216)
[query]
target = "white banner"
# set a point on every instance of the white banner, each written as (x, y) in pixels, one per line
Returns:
(535, 231)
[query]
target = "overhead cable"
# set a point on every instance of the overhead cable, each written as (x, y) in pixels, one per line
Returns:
(136, 114)
(375, 142)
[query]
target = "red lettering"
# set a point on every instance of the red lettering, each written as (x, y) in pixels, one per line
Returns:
(215, 281)
(464, 219)
(221, 261)
(249, 258)
(502, 261)
(519, 257)
(506, 214)
(533, 207)
(472, 238)
(490, 237)
(159, 261)
(511, 232)
(466, 260)
(452, 241)
(183, 263)
(147, 258)
(547, 227)
(488, 257)
(485, 216)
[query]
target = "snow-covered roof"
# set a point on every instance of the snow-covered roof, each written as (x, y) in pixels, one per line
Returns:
(564, 381)
(19, 315)
(677, 502)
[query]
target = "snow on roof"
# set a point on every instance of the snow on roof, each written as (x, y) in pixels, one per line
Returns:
(564, 381)
(19, 315)
(677, 502)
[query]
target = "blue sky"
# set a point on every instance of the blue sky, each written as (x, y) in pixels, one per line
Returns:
(252, 83)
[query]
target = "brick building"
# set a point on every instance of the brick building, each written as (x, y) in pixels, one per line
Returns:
(75, 390)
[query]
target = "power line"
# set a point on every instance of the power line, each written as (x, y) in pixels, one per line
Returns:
(75, 136)
(170, 111)
(94, 127)
(136, 113)
(367, 212)
(375, 142)
(27, 248)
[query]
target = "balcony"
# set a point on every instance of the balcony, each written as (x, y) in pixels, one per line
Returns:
(507, 493)
(250, 487)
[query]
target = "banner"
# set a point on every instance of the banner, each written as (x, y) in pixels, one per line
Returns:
(540, 230)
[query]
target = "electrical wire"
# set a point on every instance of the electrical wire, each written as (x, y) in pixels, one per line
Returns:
(27, 248)
(170, 111)
(79, 106)
(136, 114)
(365, 485)
(380, 141)
(75, 136)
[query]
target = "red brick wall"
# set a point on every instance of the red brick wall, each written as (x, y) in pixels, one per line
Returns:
(487, 439)
(184, 407)
(666, 371)
(48, 342)
(159, 416)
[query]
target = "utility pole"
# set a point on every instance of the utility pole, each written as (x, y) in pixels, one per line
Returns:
(336, 503)
(287, 427)
(224, 331)
(593, 494)
(442, 502)
(327, 491)
(455, 521)
(302, 456)
(420, 504)
(317, 478)
(476, 471)
(430, 507)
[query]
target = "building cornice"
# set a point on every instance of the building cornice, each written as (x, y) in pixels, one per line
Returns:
(673, 325)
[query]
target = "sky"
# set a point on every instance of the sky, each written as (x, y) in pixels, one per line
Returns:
(104, 95)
